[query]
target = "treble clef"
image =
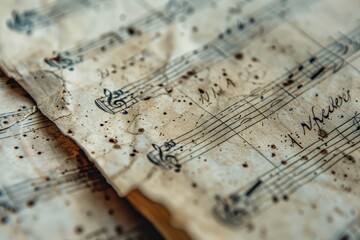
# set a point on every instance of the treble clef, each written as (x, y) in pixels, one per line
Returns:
(165, 161)
(114, 98)
(63, 61)
(59, 62)
(228, 210)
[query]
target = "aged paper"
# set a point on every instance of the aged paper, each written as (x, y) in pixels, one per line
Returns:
(241, 119)
(48, 187)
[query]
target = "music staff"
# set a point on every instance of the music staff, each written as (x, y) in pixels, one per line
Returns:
(22, 125)
(15, 197)
(283, 180)
(149, 23)
(233, 39)
(30, 20)
(258, 105)
(9, 119)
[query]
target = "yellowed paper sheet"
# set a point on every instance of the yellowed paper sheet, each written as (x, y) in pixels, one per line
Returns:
(241, 119)
(49, 190)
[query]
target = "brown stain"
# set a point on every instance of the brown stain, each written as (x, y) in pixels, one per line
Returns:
(324, 151)
(117, 146)
(4, 220)
(288, 82)
(322, 133)
(349, 159)
(79, 229)
(239, 56)
(30, 203)
(119, 230)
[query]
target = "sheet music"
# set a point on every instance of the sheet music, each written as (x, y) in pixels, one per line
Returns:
(48, 26)
(48, 188)
(240, 120)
